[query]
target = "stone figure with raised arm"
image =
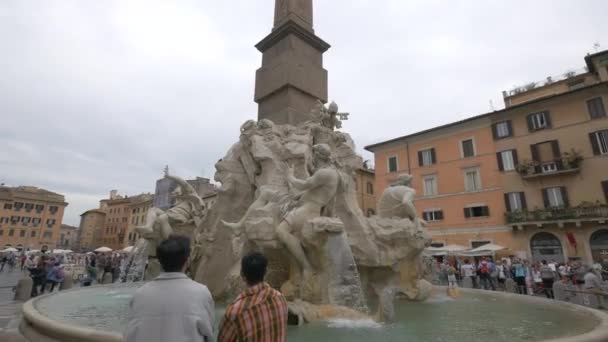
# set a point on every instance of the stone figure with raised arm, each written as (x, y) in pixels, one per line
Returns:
(188, 209)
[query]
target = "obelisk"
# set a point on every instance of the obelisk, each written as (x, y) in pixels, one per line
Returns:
(292, 77)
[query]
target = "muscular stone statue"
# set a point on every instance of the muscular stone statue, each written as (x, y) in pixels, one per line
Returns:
(189, 208)
(397, 201)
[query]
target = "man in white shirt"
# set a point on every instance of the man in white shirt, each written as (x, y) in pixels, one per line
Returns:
(172, 307)
(468, 272)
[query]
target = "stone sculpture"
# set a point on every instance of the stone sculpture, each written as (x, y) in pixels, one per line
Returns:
(189, 209)
(289, 191)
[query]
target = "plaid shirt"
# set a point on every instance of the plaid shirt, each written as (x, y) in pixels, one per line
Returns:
(259, 314)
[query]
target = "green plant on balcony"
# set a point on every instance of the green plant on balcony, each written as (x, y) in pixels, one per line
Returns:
(526, 167)
(572, 159)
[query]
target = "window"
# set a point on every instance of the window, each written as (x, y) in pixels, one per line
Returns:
(538, 121)
(11, 232)
(476, 211)
(29, 207)
(596, 108)
(36, 221)
(468, 148)
(53, 209)
(548, 167)
(47, 235)
(555, 197)
(393, 166)
(515, 201)
(39, 207)
(432, 215)
(430, 185)
(22, 233)
(605, 188)
(15, 219)
(8, 206)
(370, 188)
(507, 160)
(502, 129)
(472, 180)
(437, 244)
(599, 142)
(26, 220)
(33, 234)
(547, 156)
(50, 222)
(427, 157)
(18, 206)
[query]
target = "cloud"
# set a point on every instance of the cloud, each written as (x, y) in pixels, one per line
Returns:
(100, 95)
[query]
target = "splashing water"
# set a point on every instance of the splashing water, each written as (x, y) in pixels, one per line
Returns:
(133, 269)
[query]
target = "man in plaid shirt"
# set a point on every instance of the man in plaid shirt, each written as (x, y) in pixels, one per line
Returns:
(259, 314)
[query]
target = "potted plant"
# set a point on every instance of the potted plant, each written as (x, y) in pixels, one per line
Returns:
(572, 159)
(525, 167)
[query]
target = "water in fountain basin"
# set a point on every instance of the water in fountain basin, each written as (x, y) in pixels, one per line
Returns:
(133, 269)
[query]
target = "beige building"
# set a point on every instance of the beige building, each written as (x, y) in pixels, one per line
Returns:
(118, 214)
(532, 177)
(68, 237)
(364, 185)
(138, 207)
(30, 217)
(92, 224)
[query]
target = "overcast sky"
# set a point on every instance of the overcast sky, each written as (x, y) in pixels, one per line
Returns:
(100, 95)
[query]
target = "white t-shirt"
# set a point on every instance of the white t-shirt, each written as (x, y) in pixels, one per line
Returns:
(468, 270)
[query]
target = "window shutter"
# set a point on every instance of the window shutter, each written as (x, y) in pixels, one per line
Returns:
(557, 155)
(433, 156)
(510, 127)
(522, 198)
(605, 188)
(499, 158)
(548, 118)
(535, 157)
(594, 145)
(565, 196)
(530, 124)
(515, 160)
(425, 216)
(507, 203)
(467, 212)
(419, 158)
(546, 199)
(439, 214)
(494, 132)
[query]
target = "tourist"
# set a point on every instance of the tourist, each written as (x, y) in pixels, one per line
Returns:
(519, 273)
(23, 258)
(502, 270)
(54, 277)
(172, 307)
(451, 272)
(593, 284)
(547, 276)
(259, 313)
(38, 275)
(468, 273)
(3, 261)
(484, 274)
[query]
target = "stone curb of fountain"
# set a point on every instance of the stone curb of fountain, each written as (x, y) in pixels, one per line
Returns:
(598, 334)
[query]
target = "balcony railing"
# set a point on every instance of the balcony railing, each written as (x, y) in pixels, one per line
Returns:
(569, 163)
(599, 211)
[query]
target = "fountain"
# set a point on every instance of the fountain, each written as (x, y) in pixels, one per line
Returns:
(287, 190)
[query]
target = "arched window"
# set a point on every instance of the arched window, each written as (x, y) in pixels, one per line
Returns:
(546, 246)
(599, 245)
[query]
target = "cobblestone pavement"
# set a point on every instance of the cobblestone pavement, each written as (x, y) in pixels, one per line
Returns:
(10, 311)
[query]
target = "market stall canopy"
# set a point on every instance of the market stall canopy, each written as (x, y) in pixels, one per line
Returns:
(449, 249)
(103, 249)
(490, 247)
(9, 249)
(128, 249)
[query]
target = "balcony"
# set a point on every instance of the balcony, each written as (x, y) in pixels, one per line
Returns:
(586, 212)
(568, 163)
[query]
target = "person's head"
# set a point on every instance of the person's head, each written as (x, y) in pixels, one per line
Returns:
(173, 253)
(253, 268)
(466, 261)
(544, 262)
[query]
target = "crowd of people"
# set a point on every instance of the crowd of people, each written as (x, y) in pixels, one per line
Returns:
(530, 278)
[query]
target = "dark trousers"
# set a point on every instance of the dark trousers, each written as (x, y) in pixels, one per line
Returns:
(548, 285)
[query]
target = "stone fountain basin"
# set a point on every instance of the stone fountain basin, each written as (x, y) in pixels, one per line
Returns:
(98, 314)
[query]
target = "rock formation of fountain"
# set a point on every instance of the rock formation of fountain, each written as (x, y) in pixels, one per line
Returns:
(349, 254)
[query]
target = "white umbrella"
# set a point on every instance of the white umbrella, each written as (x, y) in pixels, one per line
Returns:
(453, 248)
(128, 249)
(434, 251)
(103, 249)
(57, 251)
(10, 249)
(68, 251)
(490, 247)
